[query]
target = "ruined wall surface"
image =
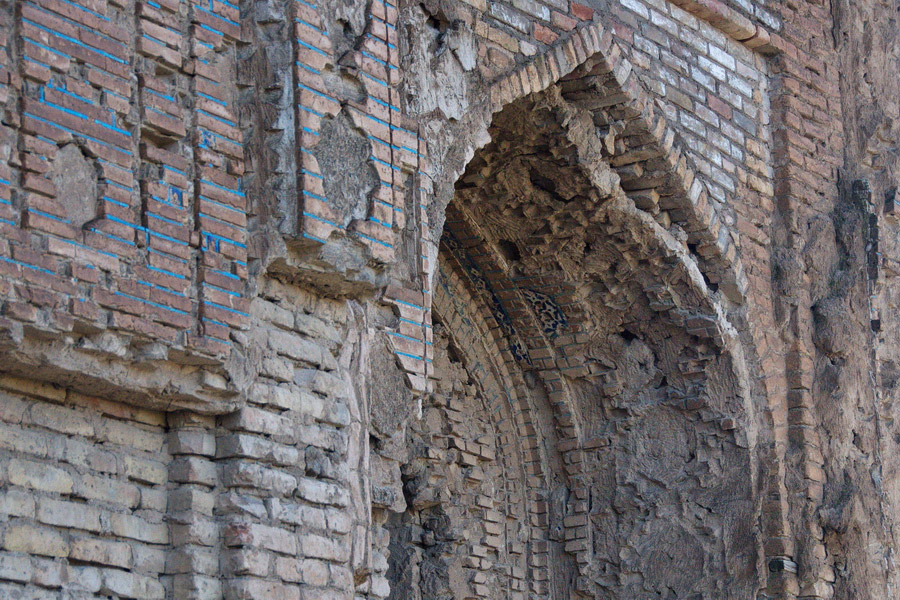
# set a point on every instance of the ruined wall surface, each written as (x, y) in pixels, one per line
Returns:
(449, 299)
(862, 287)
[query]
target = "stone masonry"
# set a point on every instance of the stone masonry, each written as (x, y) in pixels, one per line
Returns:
(449, 299)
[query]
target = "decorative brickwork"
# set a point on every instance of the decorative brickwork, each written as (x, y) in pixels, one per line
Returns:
(128, 214)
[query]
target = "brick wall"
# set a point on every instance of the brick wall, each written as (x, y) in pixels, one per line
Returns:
(123, 207)
(171, 224)
(287, 459)
(85, 490)
(103, 498)
(714, 91)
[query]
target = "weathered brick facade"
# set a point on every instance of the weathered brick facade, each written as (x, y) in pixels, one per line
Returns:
(456, 299)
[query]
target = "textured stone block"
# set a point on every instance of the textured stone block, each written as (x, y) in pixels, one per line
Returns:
(101, 551)
(136, 528)
(35, 540)
(40, 476)
(16, 503)
(261, 536)
(250, 589)
(70, 515)
(130, 585)
(15, 567)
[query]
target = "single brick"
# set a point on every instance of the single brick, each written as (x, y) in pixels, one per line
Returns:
(71, 515)
(35, 540)
(103, 552)
(40, 476)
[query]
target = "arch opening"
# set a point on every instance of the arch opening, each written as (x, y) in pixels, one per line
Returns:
(576, 327)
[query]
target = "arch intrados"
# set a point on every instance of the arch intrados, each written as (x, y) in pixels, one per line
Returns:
(479, 348)
(609, 207)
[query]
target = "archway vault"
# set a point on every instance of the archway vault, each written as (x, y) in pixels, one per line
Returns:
(581, 304)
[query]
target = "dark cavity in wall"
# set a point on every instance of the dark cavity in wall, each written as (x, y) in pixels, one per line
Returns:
(424, 545)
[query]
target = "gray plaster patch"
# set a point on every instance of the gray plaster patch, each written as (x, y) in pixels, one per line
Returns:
(344, 154)
(75, 179)
(346, 22)
(436, 61)
(390, 399)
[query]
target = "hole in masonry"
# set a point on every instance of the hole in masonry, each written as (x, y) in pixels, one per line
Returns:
(509, 250)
